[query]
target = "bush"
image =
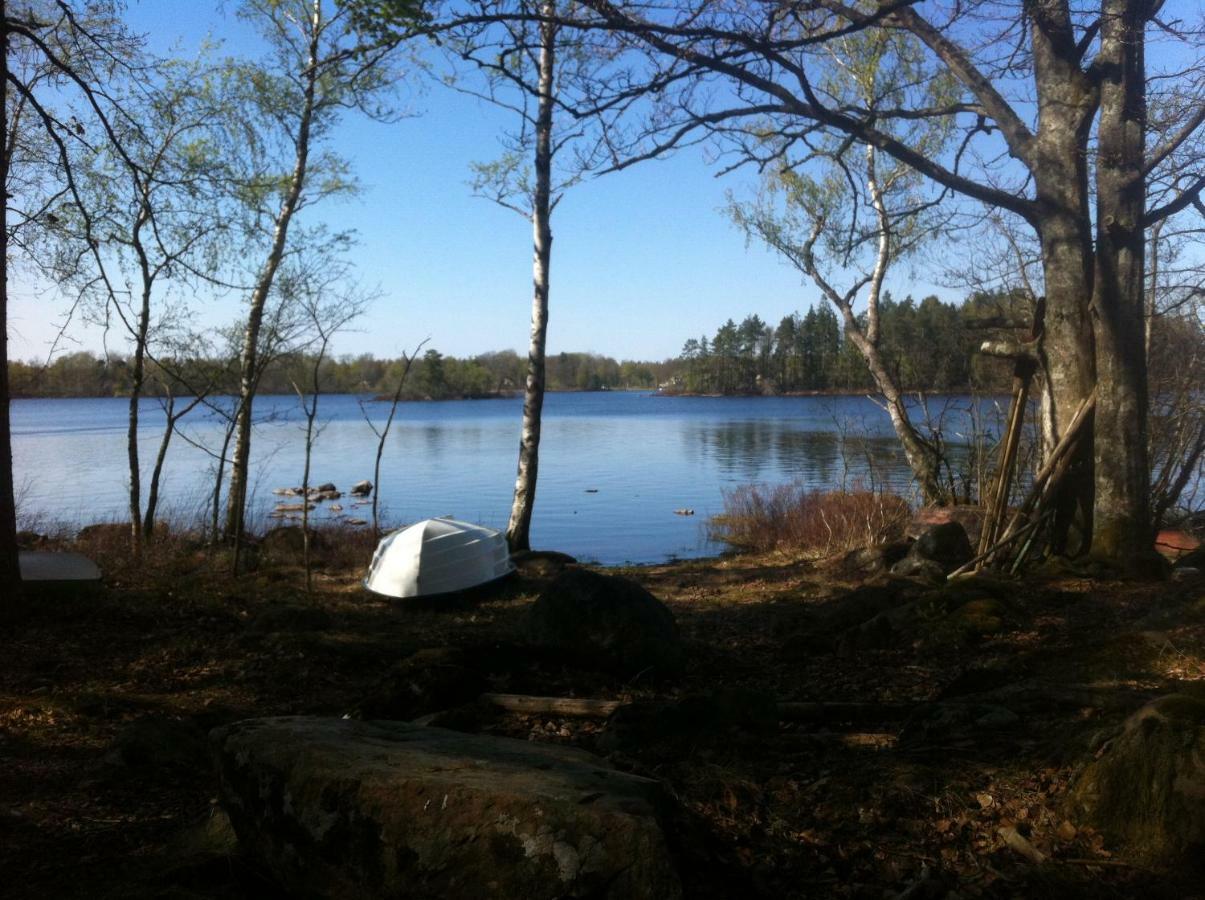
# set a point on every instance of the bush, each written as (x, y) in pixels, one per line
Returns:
(796, 518)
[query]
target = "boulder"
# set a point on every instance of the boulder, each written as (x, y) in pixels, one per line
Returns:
(361, 488)
(969, 517)
(1146, 789)
(925, 570)
(541, 563)
(606, 621)
(946, 544)
(426, 682)
(338, 808)
(867, 561)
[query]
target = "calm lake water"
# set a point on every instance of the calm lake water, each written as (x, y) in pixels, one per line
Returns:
(614, 466)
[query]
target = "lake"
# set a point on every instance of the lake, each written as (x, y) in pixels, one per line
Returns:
(614, 466)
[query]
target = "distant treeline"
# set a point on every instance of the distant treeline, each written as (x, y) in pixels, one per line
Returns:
(930, 345)
(432, 376)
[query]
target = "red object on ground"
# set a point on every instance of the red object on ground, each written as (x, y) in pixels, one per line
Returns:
(1173, 544)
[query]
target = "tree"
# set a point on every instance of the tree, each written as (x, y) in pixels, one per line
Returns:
(153, 224)
(1030, 124)
(816, 223)
(319, 67)
(532, 67)
(56, 52)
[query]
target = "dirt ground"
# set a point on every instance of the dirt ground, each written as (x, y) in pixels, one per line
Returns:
(105, 698)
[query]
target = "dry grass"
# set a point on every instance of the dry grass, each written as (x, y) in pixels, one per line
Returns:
(794, 518)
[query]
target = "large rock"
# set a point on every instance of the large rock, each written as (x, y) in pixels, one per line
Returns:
(338, 808)
(969, 517)
(1146, 790)
(946, 544)
(606, 621)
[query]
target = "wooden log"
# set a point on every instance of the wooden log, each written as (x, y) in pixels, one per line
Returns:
(553, 706)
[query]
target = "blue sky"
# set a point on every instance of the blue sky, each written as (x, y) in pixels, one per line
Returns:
(642, 259)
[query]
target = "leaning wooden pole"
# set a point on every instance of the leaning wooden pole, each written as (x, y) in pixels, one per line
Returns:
(1024, 367)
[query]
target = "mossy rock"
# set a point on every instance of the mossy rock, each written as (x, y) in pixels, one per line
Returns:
(1146, 790)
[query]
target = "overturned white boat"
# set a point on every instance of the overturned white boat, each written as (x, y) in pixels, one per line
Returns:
(437, 556)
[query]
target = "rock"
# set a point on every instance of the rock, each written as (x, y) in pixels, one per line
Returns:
(925, 570)
(326, 487)
(1146, 789)
(866, 561)
(1185, 573)
(426, 682)
(969, 517)
(159, 742)
(318, 495)
(361, 489)
(946, 544)
(541, 563)
(290, 617)
(684, 512)
(344, 809)
(355, 521)
(608, 622)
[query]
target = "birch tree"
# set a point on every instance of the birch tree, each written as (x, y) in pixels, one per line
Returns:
(59, 58)
(855, 209)
(318, 68)
(536, 71)
(156, 224)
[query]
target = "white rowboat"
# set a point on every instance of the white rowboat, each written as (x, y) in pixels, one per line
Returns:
(437, 556)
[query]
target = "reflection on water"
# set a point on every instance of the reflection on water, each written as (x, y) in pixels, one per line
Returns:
(614, 466)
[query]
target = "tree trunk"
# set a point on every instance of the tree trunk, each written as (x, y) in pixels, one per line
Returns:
(137, 377)
(152, 494)
(236, 500)
(1122, 521)
(1063, 224)
(519, 528)
(10, 565)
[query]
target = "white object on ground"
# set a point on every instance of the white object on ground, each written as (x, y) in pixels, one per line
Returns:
(43, 566)
(437, 556)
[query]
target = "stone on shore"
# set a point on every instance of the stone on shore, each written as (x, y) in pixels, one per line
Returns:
(339, 808)
(608, 622)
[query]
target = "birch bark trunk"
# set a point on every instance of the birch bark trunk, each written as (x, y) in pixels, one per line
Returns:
(519, 528)
(236, 500)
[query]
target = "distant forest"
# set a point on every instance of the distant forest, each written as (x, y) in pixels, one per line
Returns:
(432, 376)
(931, 346)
